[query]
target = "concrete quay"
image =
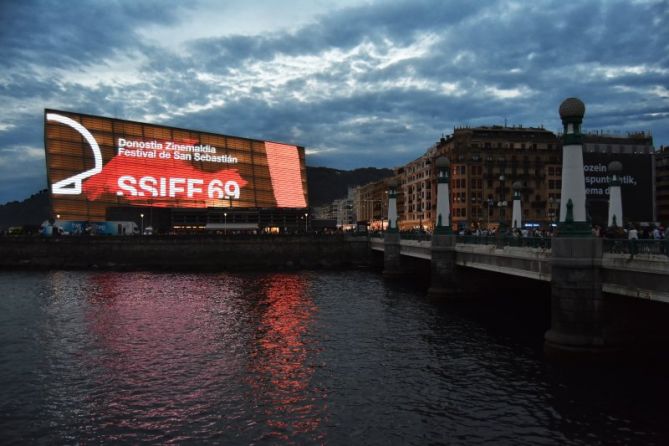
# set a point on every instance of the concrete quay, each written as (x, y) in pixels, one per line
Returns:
(185, 253)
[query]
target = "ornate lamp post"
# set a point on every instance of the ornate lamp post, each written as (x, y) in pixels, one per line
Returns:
(501, 204)
(517, 216)
(443, 226)
(392, 206)
(573, 219)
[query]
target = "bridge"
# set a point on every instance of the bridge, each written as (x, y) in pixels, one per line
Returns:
(634, 268)
(607, 296)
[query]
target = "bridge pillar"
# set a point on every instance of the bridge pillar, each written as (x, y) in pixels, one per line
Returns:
(443, 282)
(391, 255)
(578, 310)
(579, 326)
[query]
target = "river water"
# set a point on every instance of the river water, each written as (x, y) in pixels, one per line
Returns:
(295, 358)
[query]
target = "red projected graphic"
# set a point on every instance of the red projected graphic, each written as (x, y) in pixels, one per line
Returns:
(145, 181)
(284, 167)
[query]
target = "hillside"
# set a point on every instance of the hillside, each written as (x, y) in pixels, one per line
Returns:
(31, 211)
(324, 184)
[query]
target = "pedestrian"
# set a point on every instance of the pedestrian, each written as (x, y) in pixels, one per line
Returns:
(656, 233)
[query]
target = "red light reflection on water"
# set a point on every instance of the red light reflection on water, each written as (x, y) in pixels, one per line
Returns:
(281, 359)
(233, 356)
(166, 344)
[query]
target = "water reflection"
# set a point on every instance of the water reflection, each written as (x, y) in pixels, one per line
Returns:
(283, 361)
(164, 344)
(306, 358)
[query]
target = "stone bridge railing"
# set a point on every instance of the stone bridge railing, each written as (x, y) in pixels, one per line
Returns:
(638, 268)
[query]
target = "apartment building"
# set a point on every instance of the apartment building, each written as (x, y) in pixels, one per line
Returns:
(662, 184)
(486, 161)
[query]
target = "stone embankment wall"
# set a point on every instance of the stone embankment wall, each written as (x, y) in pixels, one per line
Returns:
(187, 253)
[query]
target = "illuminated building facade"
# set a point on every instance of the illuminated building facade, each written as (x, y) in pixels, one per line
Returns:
(101, 169)
(417, 186)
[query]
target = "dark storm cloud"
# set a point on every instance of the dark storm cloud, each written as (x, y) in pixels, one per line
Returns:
(413, 121)
(55, 33)
(343, 30)
(370, 85)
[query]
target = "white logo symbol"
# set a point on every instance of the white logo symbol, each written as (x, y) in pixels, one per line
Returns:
(72, 185)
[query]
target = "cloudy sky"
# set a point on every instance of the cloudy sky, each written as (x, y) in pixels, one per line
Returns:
(358, 83)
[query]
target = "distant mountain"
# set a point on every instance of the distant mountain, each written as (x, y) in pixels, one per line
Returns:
(326, 184)
(31, 211)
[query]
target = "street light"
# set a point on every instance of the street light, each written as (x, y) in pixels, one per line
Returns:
(557, 210)
(554, 204)
(141, 232)
(306, 221)
(225, 226)
(501, 203)
(371, 212)
(502, 206)
(368, 212)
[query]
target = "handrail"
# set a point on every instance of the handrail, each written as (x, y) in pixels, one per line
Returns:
(612, 246)
(522, 242)
(419, 236)
(636, 246)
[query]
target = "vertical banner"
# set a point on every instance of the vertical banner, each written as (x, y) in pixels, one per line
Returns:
(636, 186)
